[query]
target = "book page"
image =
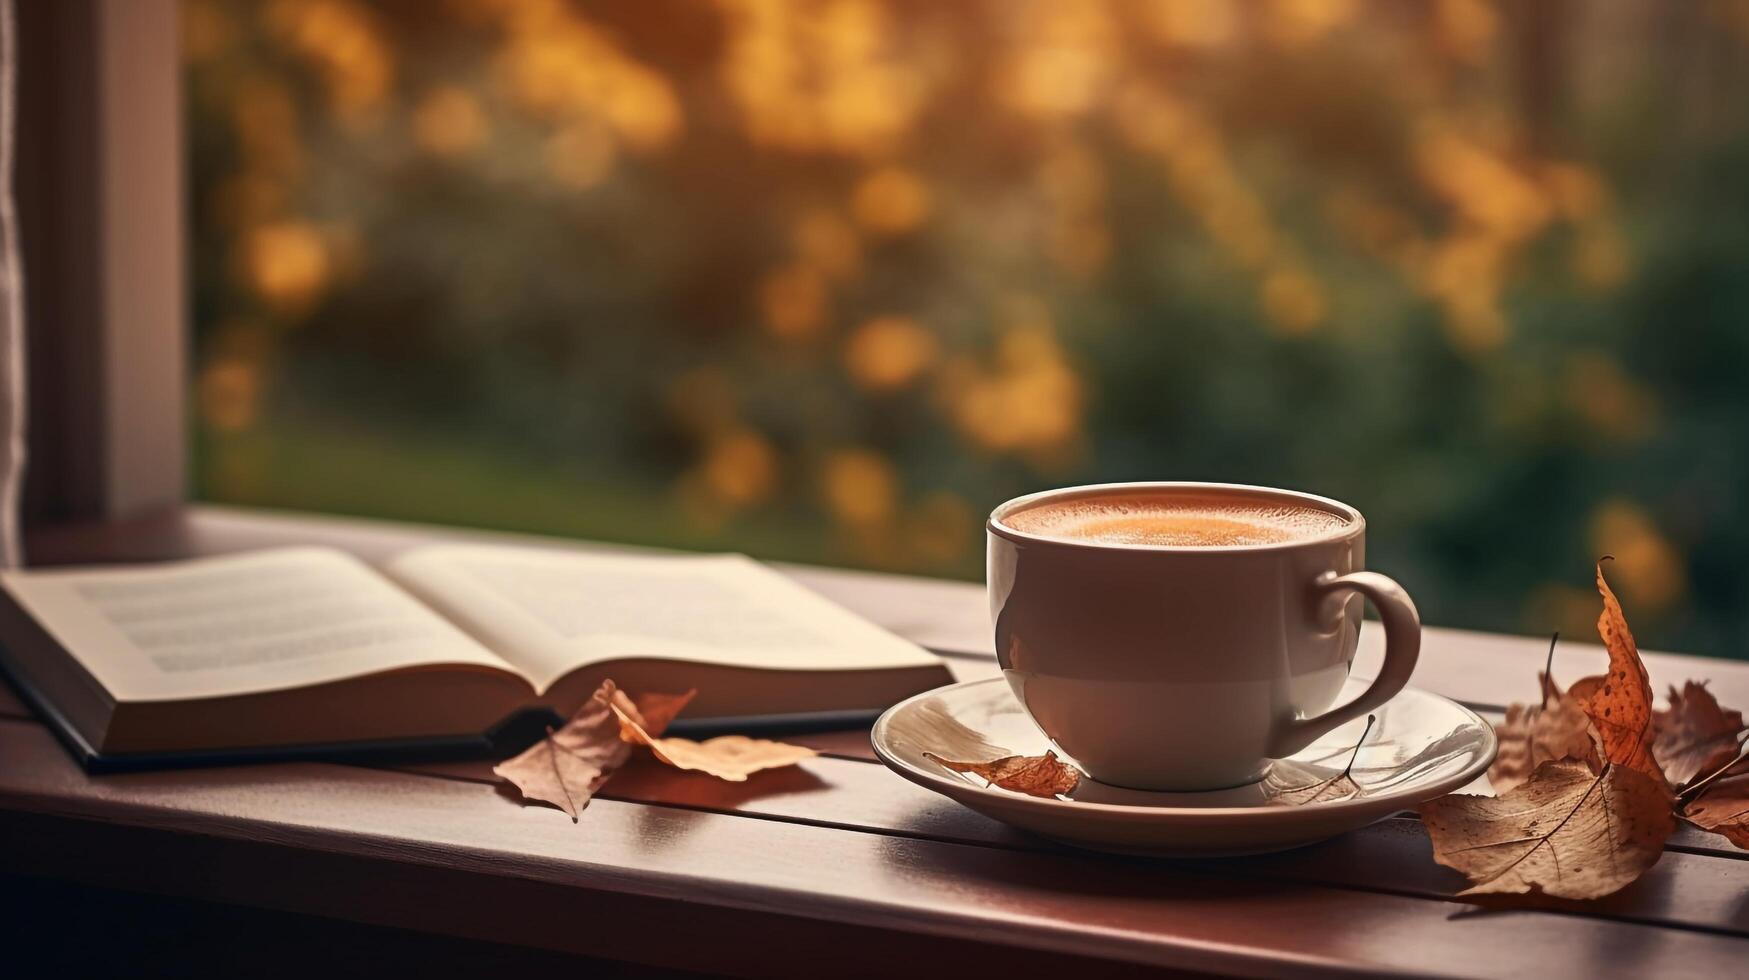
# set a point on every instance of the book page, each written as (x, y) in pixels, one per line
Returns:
(550, 612)
(230, 625)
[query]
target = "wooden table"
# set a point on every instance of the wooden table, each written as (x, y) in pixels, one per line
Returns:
(837, 867)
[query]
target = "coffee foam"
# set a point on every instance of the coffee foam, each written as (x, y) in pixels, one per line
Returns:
(1175, 521)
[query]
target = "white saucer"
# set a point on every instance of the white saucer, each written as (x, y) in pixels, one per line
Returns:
(1421, 747)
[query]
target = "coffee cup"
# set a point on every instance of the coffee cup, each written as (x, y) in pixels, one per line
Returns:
(1179, 636)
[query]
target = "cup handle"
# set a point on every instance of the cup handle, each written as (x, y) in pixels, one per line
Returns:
(1402, 646)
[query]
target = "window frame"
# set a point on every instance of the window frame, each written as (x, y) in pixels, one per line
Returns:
(99, 186)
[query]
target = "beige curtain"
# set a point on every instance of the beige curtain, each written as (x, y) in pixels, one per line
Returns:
(11, 304)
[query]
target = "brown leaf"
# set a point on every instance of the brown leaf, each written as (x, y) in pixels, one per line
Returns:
(1724, 807)
(1695, 735)
(656, 711)
(1566, 832)
(1534, 734)
(730, 757)
(1035, 775)
(570, 764)
(1621, 705)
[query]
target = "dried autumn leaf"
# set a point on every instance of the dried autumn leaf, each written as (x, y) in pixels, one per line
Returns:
(656, 712)
(570, 764)
(1695, 735)
(1621, 705)
(1035, 775)
(730, 757)
(1566, 832)
(1531, 735)
(1724, 807)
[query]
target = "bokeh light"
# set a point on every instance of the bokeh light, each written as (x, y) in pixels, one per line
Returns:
(826, 280)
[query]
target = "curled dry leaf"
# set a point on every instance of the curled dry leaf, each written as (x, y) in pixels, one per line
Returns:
(1620, 705)
(657, 711)
(1695, 736)
(570, 764)
(1534, 734)
(1573, 820)
(1566, 832)
(730, 757)
(1035, 775)
(1724, 807)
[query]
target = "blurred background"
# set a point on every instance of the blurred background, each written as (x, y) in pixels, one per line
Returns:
(827, 280)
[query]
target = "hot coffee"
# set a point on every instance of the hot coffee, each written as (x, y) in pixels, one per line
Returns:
(1175, 520)
(1187, 665)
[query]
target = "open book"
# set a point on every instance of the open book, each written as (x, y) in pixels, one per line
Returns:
(305, 651)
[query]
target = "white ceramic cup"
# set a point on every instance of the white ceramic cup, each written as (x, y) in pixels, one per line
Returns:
(1189, 668)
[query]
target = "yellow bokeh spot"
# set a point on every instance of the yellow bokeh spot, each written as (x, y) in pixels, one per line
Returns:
(860, 487)
(1647, 569)
(1466, 273)
(558, 64)
(1201, 173)
(643, 109)
(1063, 61)
(449, 122)
(816, 77)
(1467, 28)
(890, 201)
(1483, 187)
(343, 40)
(1149, 119)
(1298, 22)
(1052, 81)
(793, 301)
(888, 352)
(740, 468)
(286, 263)
(1191, 23)
(1030, 401)
(580, 155)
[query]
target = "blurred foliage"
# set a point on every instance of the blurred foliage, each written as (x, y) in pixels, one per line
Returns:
(828, 280)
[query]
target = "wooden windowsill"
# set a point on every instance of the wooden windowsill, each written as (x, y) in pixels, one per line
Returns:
(842, 864)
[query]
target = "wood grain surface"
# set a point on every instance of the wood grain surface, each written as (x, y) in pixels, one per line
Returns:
(849, 867)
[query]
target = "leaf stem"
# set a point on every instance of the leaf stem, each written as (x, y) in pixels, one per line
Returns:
(1700, 784)
(1363, 734)
(1548, 676)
